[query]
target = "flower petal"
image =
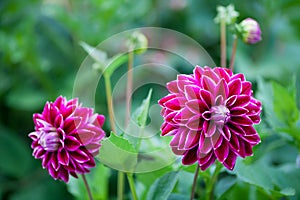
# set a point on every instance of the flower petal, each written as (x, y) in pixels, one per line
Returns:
(190, 157)
(172, 87)
(235, 87)
(63, 157)
(222, 152)
(229, 163)
(192, 92)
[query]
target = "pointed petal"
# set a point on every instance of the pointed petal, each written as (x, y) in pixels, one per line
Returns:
(235, 87)
(210, 161)
(63, 157)
(192, 92)
(71, 143)
(80, 156)
(172, 87)
(241, 120)
(195, 123)
(190, 157)
(206, 97)
(246, 88)
(229, 163)
(208, 83)
(238, 111)
(196, 106)
(222, 89)
(222, 152)
(241, 101)
(192, 139)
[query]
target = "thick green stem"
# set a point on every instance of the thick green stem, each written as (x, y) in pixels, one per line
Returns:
(120, 185)
(232, 58)
(212, 181)
(223, 43)
(132, 186)
(194, 183)
(87, 187)
(129, 87)
(109, 103)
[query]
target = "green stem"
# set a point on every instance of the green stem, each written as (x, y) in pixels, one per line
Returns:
(87, 187)
(211, 182)
(120, 185)
(129, 87)
(223, 43)
(109, 103)
(194, 183)
(132, 186)
(233, 52)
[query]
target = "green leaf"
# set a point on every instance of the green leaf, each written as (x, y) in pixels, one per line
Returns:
(118, 153)
(285, 105)
(14, 153)
(162, 187)
(98, 180)
(141, 113)
(24, 97)
(178, 197)
(98, 55)
(260, 174)
(224, 185)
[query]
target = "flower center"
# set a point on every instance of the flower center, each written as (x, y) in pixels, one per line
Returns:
(49, 141)
(220, 114)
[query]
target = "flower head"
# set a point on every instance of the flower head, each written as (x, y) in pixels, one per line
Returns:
(250, 31)
(66, 138)
(210, 115)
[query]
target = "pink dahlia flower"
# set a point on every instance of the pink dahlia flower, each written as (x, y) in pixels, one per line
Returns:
(210, 115)
(66, 138)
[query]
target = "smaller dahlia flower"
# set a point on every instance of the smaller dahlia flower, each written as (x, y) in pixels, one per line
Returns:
(250, 31)
(210, 115)
(66, 138)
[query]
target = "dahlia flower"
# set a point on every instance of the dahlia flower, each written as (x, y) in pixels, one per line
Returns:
(250, 31)
(66, 138)
(210, 115)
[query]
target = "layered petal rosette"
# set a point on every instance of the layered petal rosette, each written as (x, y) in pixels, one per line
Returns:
(210, 115)
(66, 138)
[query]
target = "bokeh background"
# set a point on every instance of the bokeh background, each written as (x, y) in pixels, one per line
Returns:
(40, 56)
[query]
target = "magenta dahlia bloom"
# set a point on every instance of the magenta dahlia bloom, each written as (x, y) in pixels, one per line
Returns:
(210, 115)
(66, 138)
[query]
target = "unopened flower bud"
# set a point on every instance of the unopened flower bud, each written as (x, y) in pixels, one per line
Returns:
(137, 42)
(249, 31)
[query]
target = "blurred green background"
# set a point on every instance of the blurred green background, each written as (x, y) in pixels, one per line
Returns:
(40, 55)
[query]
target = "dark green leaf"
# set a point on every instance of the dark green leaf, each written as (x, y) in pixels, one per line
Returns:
(178, 197)
(260, 174)
(14, 153)
(141, 113)
(224, 185)
(162, 187)
(285, 105)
